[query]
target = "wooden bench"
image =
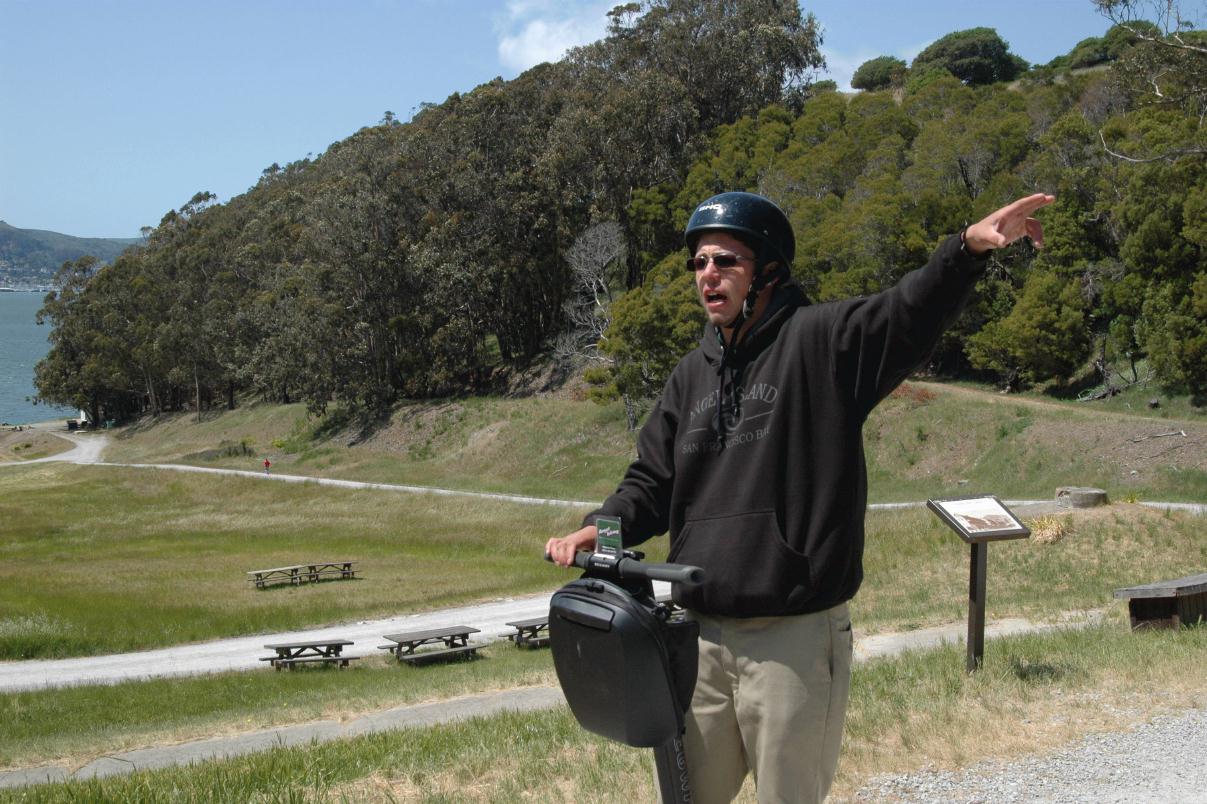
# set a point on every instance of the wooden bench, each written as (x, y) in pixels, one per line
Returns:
(323, 651)
(1167, 604)
(455, 642)
(533, 633)
(298, 573)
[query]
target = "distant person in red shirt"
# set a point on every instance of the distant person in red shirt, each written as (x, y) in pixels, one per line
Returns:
(267, 465)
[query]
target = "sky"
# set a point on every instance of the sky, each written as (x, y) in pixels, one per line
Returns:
(113, 112)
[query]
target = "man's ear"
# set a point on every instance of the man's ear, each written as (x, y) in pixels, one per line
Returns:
(774, 274)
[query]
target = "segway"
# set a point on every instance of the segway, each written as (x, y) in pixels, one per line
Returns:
(627, 663)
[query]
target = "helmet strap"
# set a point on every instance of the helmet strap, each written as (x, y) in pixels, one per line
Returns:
(729, 350)
(761, 280)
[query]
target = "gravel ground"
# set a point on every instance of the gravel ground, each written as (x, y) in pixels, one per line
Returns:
(1161, 761)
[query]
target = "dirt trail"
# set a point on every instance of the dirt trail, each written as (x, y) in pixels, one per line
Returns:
(88, 447)
(1132, 443)
(1032, 402)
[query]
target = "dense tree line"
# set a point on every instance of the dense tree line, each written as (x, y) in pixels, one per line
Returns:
(873, 182)
(420, 258)
(429, 257)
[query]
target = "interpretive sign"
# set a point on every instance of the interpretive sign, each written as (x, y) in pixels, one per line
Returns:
(979, 520)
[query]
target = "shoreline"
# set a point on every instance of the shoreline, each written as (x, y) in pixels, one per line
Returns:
(40, 425)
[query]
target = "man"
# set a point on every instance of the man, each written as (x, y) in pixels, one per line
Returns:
(753, 461)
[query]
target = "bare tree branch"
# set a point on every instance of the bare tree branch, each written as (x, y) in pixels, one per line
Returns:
(1168, 156)
(594, 260)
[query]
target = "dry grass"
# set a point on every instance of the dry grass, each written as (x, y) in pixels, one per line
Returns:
(1035, 695)
(916, 569)
(28, 444)
(1050, 529)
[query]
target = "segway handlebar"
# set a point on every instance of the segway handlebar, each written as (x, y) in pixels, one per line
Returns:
(627, 567)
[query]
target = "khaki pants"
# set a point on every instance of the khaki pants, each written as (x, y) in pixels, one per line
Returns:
(770, 699)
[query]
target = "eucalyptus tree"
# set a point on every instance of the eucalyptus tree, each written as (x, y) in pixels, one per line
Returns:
(358, 227)
(92, 364)
(268, 254)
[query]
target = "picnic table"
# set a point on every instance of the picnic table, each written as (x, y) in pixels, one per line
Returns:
(1167, 604)
(533, 633)
(454, 641)
(297, 573)
(322, 651)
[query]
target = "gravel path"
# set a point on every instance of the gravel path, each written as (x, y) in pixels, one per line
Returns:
(1158, 762)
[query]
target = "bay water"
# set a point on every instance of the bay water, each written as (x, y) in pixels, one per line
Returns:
(22, 344)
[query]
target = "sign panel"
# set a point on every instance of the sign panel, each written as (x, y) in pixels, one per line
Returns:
(979, 519)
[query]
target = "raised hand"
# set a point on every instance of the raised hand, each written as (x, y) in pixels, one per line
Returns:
(1003, 227)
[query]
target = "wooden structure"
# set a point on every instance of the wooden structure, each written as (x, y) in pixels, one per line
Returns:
(1167, 604)
(533, 633)
(301, 573)
(450, 643)
(318, 651)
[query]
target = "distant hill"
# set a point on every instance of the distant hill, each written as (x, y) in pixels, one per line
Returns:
(30, 257)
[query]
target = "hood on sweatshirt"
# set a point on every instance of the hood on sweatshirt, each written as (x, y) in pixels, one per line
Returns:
(731, 359)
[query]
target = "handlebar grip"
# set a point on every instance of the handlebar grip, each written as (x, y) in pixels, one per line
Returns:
(630, 568)
(674, 573)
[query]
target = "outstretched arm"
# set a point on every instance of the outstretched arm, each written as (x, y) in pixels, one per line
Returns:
(1003, 227)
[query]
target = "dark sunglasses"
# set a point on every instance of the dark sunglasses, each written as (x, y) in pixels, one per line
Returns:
(722, 261)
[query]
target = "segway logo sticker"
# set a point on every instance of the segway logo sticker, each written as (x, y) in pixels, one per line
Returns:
(607, 539)
(710, 208)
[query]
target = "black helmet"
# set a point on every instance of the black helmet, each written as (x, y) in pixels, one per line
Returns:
(751, 218)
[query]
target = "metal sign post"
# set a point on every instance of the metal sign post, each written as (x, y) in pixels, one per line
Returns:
(978, 521)
(976, 605)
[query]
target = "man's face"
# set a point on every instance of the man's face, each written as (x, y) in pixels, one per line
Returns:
(722, 290)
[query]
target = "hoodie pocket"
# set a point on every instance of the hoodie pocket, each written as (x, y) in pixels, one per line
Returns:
(749, 570)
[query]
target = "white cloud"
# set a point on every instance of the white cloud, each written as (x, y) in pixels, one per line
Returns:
(535, 31)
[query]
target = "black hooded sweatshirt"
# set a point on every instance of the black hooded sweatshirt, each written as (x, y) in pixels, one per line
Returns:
(769, 500)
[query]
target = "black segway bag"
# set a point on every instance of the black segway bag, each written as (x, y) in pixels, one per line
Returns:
(626, 669)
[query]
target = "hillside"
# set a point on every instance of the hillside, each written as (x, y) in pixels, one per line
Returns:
(30, 257)
(926, 440)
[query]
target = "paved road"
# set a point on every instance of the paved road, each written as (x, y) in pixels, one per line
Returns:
(415, 716)
(237, 654)
(242, 653)
(88, 446)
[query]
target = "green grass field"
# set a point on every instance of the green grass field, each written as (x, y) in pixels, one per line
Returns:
(1034, 692)
(99, 559)
(127, 559)
(926, 440)
(117, 717)
(549, 448)
(104, 559)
